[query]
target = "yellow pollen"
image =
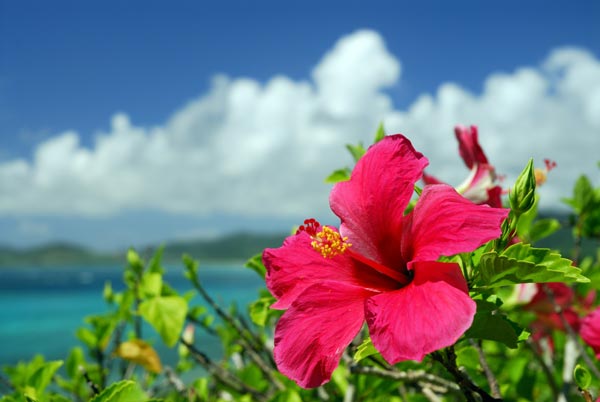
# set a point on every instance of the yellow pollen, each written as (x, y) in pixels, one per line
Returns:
(540, 176)
(329, 243)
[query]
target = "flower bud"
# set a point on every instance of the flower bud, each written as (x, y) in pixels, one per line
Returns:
(522, 197)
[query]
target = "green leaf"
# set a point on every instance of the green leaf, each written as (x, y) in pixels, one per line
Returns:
(166, 315)
(543, 228)
(122, 391)
(151, 284)
(108, 293)
(191, 267)
(365, 349)
(583, 194)
(582, 377)
(357, 151)
(43, 375)
(155, 264)
(75, 360)
(135, 262)
(492, 325)
(521, 263)
(255, 263)
(380, 134)
(259, 310)
(288, 395)
(338, 176)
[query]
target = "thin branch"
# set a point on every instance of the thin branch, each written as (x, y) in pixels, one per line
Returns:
(251, 339)
(419, 377)
(175, 381)
(430, 395)
(491, 378)
(466, 385)
(547, 372)
(222, 375)
(88, 380)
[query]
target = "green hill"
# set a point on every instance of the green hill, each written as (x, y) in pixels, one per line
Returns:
(234, 247)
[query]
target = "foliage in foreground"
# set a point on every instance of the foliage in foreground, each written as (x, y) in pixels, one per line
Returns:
(519, 348)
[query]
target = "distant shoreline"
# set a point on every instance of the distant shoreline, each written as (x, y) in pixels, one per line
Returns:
(230, 249)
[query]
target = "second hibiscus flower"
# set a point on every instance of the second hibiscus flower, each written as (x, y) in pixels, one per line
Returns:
(380, 267)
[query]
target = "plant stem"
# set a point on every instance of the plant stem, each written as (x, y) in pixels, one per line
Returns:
(222, 375)
(547, 372)
(493, 383)
(419, 377)
(448, 360)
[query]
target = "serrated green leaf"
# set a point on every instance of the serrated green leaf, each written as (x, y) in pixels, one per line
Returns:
(357, 151)
(166, 315)
(122, 391)
(521, 263)
(582, 377)
(338, 176)
(255, 263)
(365, 349)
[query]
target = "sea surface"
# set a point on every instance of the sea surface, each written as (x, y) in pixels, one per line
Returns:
(41, 308)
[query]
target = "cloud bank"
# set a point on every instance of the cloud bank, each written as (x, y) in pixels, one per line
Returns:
(263, 149)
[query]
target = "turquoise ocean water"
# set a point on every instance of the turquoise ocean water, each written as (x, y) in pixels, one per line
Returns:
(41, 308)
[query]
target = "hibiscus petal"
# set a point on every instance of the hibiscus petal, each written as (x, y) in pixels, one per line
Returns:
(468, 146)
(371, 204)
(431, 313)
(429, 179)
(311, 336)
(296, 266)
(590, 331)
(445, 223)
(476, 186)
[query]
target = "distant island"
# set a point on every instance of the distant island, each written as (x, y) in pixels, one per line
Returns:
(233, 247)
(228, 248)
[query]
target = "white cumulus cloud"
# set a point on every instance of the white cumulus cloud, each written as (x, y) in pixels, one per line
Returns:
(263, 149)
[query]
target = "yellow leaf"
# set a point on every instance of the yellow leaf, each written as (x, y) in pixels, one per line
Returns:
(138, 351)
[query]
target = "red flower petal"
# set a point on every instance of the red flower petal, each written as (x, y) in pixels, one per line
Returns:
(432, 312)
(296, 266)
(445, 223)
(468, 146)
(371, 204)
(313, 333)
(429, 179)
(590, 331)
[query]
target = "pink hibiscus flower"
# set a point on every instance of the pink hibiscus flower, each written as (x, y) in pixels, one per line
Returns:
(379, 268)
(573, 307)
(590, 331)
(480, 185)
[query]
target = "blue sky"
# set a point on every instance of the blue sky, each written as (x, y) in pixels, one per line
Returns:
(78, 77)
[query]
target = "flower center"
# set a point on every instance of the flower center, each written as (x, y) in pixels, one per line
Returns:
(329, 243)
(326, 241)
